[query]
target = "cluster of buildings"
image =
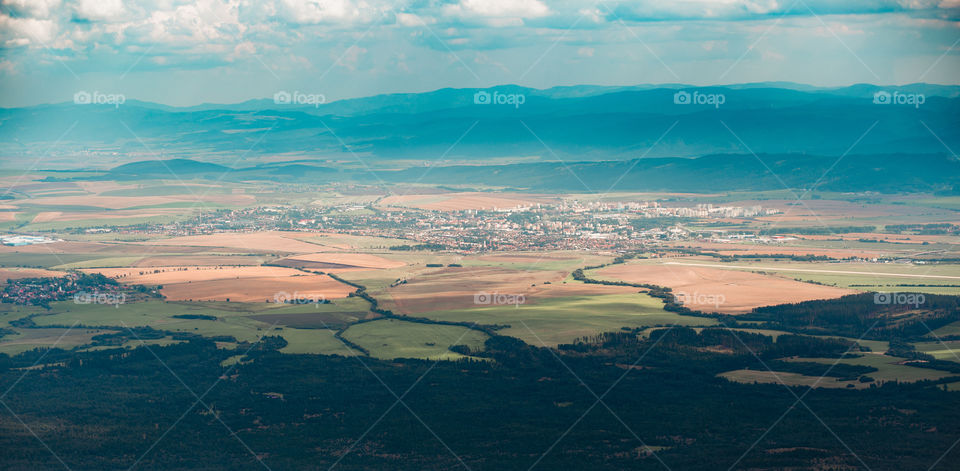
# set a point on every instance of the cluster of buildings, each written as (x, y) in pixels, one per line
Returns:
(42, 291)
(566, 225)
(16, 240)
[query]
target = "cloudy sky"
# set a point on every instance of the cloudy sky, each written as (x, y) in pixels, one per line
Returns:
(194, 51)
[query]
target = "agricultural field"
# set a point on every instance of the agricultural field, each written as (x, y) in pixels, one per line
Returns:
(565, 319)
(946, 331)
(941, 350)
(306, 327)
(807, 280)
(241, 284)
(391, 338)
(337, 261)
(29, 339)
(17, 273)
(236, 276)
(888, 369)
(464, 287)
(313, 342)
(710, 288)
(789, 379)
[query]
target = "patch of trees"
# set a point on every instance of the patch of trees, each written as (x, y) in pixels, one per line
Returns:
(859, 315)
(195, 316)
(300, 411)
(424, 247)
(944, 228)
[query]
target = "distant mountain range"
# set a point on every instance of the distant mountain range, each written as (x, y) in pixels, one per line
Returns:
(884, 173)
(572, 124)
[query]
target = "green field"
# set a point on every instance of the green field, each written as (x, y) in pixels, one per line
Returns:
(95, 222)
(169, 190)
(563, 320)
(947, 350)
(391, 338)
(887, 368)
(789, 379)
(949, 329)
(387, 338)
(233, 319)
(946, 202)
(314, 341)
(100, 263)
(29, 339)
(44, 259)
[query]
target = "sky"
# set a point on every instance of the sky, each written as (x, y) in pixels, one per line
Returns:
(226, 51)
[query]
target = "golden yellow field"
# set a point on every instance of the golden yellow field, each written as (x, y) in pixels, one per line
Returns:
(239, 284)
(727, 291)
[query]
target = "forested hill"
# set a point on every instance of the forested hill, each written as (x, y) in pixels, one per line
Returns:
(584, 123)
(886, 173)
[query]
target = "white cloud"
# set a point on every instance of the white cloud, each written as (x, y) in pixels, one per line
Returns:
(497, 13)
(26, 31)
(32, 8)
(414, 20)
(319, 11)
(99, 10)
